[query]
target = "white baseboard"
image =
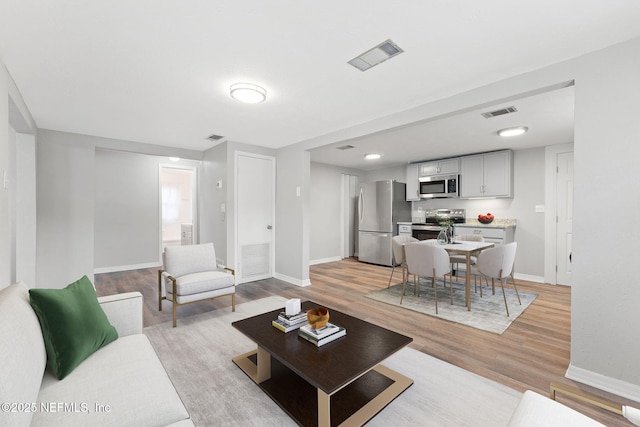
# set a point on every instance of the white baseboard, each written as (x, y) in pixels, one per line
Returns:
(293, 280)
(529, 277)
(323, 260)
(602, 382)
(102, 270)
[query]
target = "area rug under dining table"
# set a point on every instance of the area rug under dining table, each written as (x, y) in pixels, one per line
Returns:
(487, 313)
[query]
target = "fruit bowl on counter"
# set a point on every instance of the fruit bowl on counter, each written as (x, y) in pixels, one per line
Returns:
(485, 218)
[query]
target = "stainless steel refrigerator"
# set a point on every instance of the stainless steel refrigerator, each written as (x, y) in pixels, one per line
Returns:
(381, 205)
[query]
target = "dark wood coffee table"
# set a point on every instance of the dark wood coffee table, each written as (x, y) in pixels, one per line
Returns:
(340, 383)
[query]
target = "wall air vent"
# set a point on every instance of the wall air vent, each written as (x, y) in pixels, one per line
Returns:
(346, 147)
(376, 55)
(215, 137)
(500, 112)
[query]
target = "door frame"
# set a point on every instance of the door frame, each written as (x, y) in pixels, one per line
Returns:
(551, 209)
(194, 201)
(236, 216)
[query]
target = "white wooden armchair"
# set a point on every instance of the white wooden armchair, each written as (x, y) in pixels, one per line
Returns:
(191, 274)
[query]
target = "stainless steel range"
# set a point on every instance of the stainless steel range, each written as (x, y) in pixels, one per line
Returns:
(429, 229)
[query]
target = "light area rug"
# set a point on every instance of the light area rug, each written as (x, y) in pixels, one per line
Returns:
(197, 356)
(487, 313)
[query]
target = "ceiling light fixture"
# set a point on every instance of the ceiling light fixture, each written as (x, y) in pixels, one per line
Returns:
(248, 92)
(372, 156)
(515, 131)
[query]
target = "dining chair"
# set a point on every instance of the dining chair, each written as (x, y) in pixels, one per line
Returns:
(462, 259)
(397, 244)
(497, 263)
(426, 259)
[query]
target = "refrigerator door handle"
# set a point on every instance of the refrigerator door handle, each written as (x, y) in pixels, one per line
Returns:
(361, 206)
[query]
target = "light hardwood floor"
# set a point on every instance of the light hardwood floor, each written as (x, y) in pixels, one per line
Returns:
(533, 352)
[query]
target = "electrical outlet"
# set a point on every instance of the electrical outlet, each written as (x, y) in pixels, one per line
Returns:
(539, 208)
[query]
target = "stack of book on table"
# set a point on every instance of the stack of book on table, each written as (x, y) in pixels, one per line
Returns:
(287, 323)
(323, 335)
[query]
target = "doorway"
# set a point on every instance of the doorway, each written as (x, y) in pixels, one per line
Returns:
(178, 195)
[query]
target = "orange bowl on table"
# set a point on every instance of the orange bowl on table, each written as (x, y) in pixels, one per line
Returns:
(318, 317)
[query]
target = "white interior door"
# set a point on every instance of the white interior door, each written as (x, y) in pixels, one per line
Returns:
(255, 213)
(564, 206)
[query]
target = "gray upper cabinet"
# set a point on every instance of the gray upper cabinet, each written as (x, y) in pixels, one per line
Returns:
(412, 188)
(487, 175)
(441, 167)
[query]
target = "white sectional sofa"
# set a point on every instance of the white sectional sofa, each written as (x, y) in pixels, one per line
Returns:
(121, 384)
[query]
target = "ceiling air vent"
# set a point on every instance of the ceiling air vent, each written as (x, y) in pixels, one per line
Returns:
(346, 147)
(376, 55)
(500, 112)
(215, 137)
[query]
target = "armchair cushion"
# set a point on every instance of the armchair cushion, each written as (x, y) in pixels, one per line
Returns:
(196, 283)
(73, 324)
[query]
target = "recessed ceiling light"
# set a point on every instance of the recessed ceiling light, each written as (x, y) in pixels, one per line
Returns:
(372, 156)
(515, 131)
(248, 92)
(174, 159)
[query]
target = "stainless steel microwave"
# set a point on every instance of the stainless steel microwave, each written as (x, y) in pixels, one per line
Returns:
(439, 186)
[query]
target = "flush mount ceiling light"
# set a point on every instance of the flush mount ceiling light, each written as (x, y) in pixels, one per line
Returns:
(515, 131)
(248, 92)
(372, 156)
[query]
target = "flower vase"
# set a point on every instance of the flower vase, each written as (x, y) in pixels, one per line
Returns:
(442, 236)
(445, 236)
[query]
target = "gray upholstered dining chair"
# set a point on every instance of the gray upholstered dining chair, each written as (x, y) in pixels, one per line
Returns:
(426, 259)
(397, 244)
(497, 263)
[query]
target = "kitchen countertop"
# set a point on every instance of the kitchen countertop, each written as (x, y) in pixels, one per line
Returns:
(497, 223)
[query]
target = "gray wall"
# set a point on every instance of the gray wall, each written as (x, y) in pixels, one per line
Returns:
(16, 139)
(292, 215)
(127, 220)
(65, 209)
(605, 318)
(214, 227)
(67, 175)
(325, 213)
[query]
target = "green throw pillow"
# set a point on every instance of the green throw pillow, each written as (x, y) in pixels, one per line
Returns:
(73, 324)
